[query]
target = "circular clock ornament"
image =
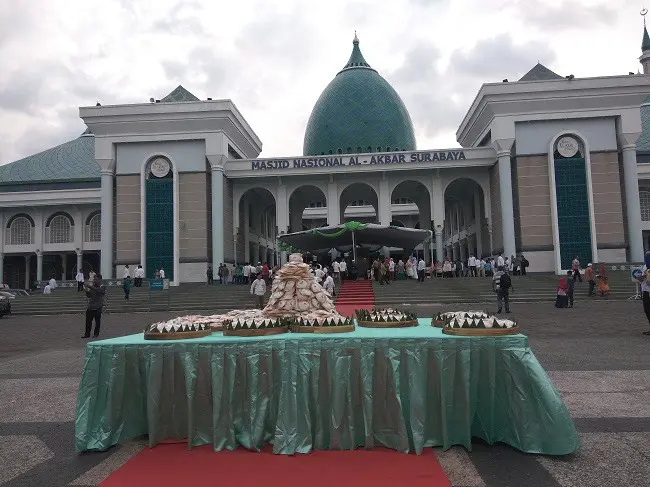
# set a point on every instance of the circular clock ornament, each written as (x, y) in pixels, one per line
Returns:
(160, 167)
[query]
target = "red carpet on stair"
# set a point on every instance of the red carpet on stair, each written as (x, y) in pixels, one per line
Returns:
(355, 295)
(172, 465)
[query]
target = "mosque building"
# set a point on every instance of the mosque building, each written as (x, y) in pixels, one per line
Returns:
(548, 166)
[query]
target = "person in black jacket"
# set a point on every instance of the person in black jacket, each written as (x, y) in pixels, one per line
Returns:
(96, 294)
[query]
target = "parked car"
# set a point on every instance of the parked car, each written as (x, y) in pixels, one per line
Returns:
(5, 306)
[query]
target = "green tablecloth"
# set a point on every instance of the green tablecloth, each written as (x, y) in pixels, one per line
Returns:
(405, 389)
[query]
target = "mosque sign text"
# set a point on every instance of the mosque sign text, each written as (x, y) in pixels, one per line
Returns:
(360, 160)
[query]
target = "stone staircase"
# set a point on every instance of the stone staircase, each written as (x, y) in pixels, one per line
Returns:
(527, 289)
(187, 297)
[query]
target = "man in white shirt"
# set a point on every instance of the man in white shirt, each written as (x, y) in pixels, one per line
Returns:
(52, 284)
(336, 270)
(247, 273)
(343, 267)
(421, 266)
(500, 261)
(471, 263)
(258, 289)
(319, 273)
(47, 289)
(162, 273)
(328, 285)
(139, 275)
(80, 280)
(391, 269)
(127, 272)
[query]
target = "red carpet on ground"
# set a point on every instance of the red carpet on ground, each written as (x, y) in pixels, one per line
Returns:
(172, 465)
(355, 295)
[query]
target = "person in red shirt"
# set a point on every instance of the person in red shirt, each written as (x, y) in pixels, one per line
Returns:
(265, 272)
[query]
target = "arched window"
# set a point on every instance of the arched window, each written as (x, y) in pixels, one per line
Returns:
(644, 197)
(21, 231)
(59, 229)
(94, 228)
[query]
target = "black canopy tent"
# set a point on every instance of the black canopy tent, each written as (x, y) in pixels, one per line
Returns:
(352, 235)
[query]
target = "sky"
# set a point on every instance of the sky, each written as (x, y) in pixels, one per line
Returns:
(273, 58)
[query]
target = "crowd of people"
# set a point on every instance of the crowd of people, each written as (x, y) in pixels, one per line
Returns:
(566, 285)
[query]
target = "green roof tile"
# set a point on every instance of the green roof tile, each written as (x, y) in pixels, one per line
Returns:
(179, 94)
(540, 73)
(358, 110)
(70, 161)
(645, 43)
(643, 142)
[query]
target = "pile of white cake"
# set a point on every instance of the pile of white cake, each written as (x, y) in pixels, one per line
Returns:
(474, 319)
(295, 293)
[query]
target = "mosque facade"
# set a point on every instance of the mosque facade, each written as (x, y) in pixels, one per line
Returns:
(548, 166)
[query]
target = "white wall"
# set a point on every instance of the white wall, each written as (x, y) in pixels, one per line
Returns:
(187, 155)
(535, 137)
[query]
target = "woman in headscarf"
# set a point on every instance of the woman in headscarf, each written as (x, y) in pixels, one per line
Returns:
(603, 281)
(562, 298)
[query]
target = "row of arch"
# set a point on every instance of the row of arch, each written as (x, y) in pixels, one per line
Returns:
(309, 197)
(59, 228)
(361, 151)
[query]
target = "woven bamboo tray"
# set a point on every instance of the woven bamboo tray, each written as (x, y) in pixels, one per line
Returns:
(438, 323)
(255, 332)
(322, 329)
(176, 335)
(475, 332)
(387, 324)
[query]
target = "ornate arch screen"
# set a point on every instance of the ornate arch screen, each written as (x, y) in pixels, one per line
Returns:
(159, 189)
(20, 231)
(572, 199)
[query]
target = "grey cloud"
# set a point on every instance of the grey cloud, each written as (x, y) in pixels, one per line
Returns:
(496, 58)
(438, 100)
(570, 14)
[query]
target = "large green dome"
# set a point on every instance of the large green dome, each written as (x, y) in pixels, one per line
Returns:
(359, 111)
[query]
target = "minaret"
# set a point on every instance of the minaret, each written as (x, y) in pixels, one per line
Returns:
(645, 46)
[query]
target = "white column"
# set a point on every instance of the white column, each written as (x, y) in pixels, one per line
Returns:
(507, 212)
(333, 210)
(384, 203)
(282, 216)
(440, 256)
(80, 260)
(217, 212)
(39, 266)
(632, 204)
(478, 223)
(107, 171)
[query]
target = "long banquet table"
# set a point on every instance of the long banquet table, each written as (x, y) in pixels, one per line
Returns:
(404, 389)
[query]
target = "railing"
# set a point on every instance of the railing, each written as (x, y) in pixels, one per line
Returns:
(88, 235)
(8, 239)
(69, 238)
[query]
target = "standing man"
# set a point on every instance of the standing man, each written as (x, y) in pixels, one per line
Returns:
(575, 267)
(210, 275)
(471, 263)
(246, 271)
(126, 285)
(258, 289)
(80, 280)
(336, 271)
(421, 266)
(127, 272)
(139, 275)
(501, 285)
(96, 293)
(328, 285)
(343, 267)
(161, 272)
(500, 261)
(589, 277)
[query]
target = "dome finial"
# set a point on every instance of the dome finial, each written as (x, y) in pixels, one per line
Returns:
(356, 39)
(645, 44)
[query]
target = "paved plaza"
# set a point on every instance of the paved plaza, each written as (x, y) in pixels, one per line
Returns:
(595, 354)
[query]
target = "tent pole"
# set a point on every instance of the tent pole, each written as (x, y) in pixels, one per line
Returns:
(354, 249)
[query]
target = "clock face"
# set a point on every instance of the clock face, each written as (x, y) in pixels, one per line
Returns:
(160, 168)
(567, 146)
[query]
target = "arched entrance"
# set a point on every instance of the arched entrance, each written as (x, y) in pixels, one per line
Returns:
(466, 231)
(410, 204)
(307, 208)
(257, 227)
(359, 202)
